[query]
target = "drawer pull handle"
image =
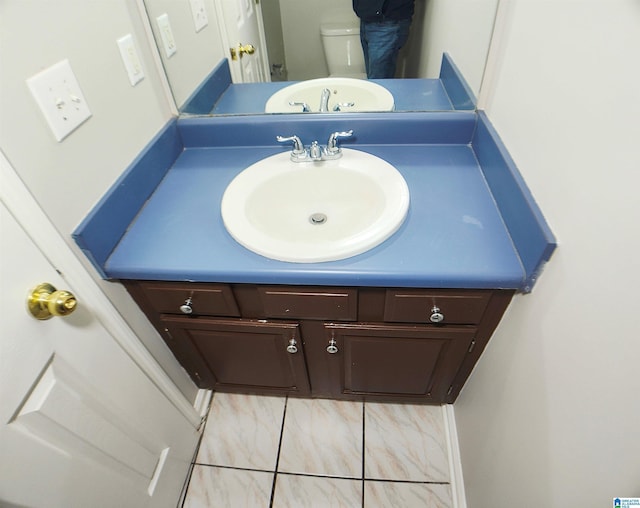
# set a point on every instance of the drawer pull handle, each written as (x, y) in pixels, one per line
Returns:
(292, 348)
(186, 308)
(436, 315)
(332, 348)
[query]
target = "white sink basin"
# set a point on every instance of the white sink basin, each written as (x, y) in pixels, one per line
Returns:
(365, 96)
(306, 212)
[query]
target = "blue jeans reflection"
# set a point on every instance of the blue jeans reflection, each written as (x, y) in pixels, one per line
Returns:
(381, 41)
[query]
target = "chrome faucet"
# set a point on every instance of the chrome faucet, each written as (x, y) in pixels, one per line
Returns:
(332, 150)
(305, 106)
(324, 100)
(315, 152)
(324, 103)
(339, 106)
(299, 152)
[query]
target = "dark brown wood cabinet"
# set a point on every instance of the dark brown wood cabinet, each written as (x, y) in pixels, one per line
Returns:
(244, 354)
(399, 361)
(414, 345)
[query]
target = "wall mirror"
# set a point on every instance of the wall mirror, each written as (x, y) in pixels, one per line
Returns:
(193, 37)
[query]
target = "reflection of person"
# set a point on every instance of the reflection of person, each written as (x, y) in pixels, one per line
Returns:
(384, 29)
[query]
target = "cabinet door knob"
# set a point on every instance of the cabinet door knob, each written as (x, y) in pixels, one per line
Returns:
(292, 348)
(186, 307)
(436, 315)
(332, 348)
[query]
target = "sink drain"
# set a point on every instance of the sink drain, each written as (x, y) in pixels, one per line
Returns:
(317, 218)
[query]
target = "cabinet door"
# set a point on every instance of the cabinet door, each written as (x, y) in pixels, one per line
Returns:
(244, 355)
(397, 362)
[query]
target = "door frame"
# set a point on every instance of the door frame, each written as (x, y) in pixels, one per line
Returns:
(27, 212)
(266, 68)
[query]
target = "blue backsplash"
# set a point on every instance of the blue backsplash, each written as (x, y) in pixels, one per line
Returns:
(369, 128)
(459, 92)
(101, 230)
(210, 90)
(529, 231)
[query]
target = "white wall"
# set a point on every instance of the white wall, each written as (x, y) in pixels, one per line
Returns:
(197, 53)
(551, 415)
(69, 177)
(301, 20)
(461, 28)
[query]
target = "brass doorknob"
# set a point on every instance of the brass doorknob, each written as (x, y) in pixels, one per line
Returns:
(45, 301)
(241, 50)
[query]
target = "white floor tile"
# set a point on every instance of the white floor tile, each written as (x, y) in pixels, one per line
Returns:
(228, 488)
(322, 437)
(406, 495)
(322, 443)
(314, 492)
(242, 431)
(405, 442)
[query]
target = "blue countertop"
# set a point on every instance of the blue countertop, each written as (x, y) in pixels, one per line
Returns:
(453, 235)
(165, 224)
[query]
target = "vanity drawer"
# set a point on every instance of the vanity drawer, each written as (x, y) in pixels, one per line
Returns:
(436, 306)
(202, 299)
(309, 302)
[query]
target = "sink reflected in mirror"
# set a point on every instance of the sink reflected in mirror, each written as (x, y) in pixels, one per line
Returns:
(307, 212)
(331, 94)
(291, 44)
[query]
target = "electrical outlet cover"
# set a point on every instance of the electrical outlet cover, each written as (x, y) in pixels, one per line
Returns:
(129, 55)
(57, 92)
(166, 34)
(199, 12)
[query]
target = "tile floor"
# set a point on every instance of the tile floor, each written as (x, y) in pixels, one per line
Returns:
(262, 451)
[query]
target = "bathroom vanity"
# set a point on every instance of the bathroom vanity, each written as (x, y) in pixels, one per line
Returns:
(406, 320)
(399, 344)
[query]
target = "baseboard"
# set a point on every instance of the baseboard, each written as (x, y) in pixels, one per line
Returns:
(455, 463)
(202, 402)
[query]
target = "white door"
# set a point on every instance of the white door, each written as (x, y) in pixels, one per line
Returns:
(243, 34)
(81, 425)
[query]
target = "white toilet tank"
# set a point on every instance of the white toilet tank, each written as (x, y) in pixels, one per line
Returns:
(343, 50)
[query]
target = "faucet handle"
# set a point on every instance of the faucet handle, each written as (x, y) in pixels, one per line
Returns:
(333, 150)
(305, 106)
(299, 152)
(339, 106)
(298, 147)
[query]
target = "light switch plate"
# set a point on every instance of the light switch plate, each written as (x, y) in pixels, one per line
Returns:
(129, 55)
(57, 92)
(199, 12)
(166, 34)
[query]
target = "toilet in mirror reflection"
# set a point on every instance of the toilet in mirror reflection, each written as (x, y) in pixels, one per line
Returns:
(343, 50)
